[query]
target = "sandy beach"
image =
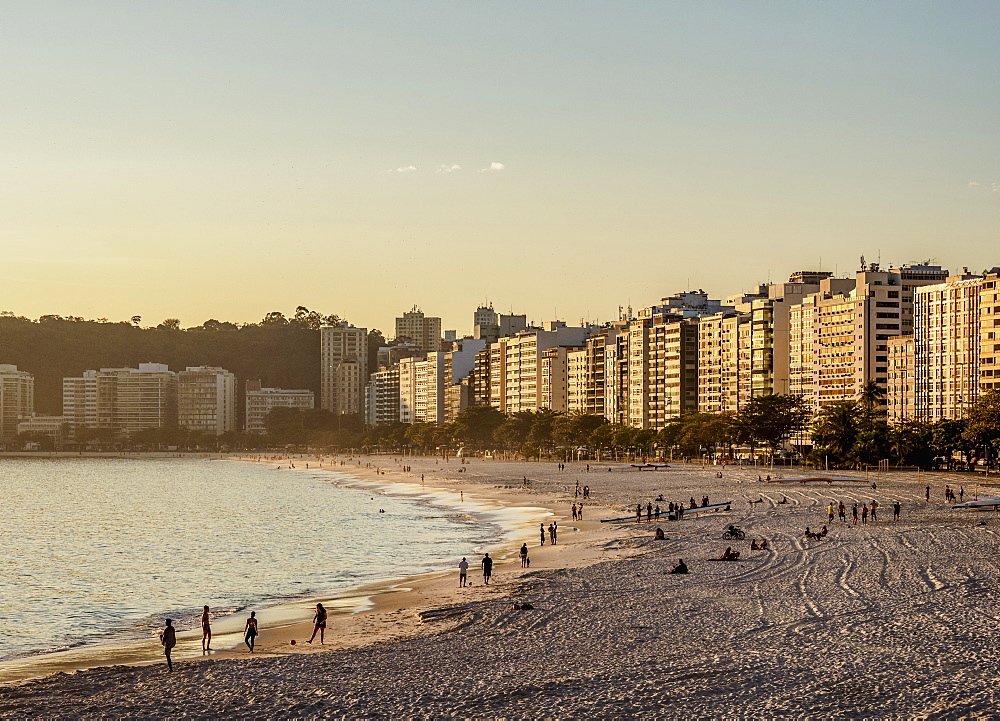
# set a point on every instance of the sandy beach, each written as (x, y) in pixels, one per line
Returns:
(890, 619)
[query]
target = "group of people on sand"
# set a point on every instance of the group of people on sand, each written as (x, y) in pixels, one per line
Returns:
(651, 512)
(861, 513)
(951, 497)
(553, 531)
(577, 511)
(487, 563)
(168, 636)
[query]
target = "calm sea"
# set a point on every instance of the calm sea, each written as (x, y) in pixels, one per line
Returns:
(101, 550)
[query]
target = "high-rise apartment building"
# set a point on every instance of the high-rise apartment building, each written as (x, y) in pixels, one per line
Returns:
(343, 369)
(206, 400)
(423, 331)
(260, 401)
(989, 332)
(516, 367)
(383, 397)
(124, 400)
(900, 386)
(946, 322)
(17, 400)
(838, 337)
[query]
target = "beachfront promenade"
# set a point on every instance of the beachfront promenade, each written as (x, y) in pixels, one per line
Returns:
(888, 619)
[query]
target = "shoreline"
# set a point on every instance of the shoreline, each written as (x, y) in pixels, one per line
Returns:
(288, 621)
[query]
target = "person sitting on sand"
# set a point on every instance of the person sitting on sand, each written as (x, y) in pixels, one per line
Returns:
(658, 536)
(681, 567)
(727, 555)
(753, 544)
(783, 501)
(763, 545)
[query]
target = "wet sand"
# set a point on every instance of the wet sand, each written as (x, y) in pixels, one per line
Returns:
(885, 620)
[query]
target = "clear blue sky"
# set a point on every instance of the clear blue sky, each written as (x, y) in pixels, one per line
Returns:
(225, 159)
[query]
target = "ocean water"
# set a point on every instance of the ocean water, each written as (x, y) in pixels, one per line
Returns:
(98, 551)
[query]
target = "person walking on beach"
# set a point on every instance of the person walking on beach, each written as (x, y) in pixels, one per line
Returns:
(319, 621)
(487, 569)
(541, 532)
(927, 494)
(895, 511)
(638, 512)
(829, 511)
(250, 631)
(961, 493)
(168, 637)
(463, 572)
(206, 631)
(524, 555)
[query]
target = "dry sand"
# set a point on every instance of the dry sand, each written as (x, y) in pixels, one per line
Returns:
(885, 620)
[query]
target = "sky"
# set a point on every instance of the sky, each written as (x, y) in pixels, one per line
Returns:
(207, 159)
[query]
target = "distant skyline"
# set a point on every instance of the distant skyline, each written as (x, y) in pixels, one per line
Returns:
(224, 159)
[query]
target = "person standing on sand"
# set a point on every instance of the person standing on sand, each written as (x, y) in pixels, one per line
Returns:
(250, 631)
(487, 569)
(206, 631)
(864, 515)
(319, 619)
(874, 511)
(524, 555)
(854, 511)
(895, 511)
(555, 532)
(541, 532)
(168, 637)
(574, 511)
(579, 512)
(927, 494)
(842, 512)
(829, 511)
(463, 572)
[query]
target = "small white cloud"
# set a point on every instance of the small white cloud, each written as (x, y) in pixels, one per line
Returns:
(973, 184)
(449, 168)
(493, 166)
(405, 169)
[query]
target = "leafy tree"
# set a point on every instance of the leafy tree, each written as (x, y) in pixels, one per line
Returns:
(477, 425)
(835, 432)
(982, 429)
(771, 420)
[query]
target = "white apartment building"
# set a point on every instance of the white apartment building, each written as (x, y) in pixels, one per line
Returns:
(343, 369)
(946, 322)
(575, 382)
(408, 389)
(260, 401)
(17, 399)
(425, 385)
(206, 400)
(516, 368)
(383, 397)
(125, 400)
